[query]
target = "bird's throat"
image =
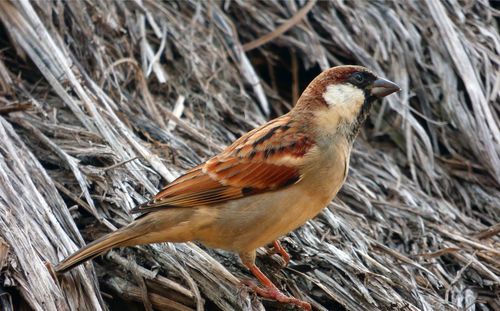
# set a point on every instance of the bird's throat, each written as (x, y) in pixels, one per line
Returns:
(352, 130)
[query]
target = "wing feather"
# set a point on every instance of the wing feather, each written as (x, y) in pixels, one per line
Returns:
(265, 159)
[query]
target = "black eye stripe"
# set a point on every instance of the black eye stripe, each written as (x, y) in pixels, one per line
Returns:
(358, 77)
(361, 79)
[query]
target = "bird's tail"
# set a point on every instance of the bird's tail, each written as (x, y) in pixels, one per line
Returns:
(121, 237)
(170, 225)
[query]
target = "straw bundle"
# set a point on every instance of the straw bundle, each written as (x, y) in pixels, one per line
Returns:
(102, 102)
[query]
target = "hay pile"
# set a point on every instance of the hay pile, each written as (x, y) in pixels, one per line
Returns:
(101, 102)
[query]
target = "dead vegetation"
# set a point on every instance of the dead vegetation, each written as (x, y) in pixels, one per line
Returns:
(103, 101)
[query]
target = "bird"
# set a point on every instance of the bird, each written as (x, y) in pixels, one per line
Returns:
(264, 185)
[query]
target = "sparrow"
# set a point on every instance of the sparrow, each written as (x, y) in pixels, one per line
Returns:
(267, 183)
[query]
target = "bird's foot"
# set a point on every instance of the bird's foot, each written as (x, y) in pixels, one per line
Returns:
(278, 248)
(275, 294)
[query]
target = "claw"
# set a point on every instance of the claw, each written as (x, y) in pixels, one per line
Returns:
(276, 294)
(270, 290)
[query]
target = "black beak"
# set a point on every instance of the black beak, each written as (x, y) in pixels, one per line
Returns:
(382, 87)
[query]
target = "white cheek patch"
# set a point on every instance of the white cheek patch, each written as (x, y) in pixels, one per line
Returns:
(339, 95)
(344, 101)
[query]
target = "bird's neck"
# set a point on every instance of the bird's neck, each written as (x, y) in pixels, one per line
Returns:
(351, 129)
(327, 124)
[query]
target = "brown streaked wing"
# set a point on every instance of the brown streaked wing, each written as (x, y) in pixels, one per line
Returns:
(265, 159)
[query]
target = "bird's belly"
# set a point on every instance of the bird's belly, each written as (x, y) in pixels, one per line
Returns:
(252, 222)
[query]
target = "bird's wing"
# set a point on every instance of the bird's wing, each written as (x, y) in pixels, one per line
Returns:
(265, 159)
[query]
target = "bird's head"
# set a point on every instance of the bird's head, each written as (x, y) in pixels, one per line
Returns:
(340, 98)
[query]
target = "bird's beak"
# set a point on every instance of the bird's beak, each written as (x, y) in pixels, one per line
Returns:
(382, 87)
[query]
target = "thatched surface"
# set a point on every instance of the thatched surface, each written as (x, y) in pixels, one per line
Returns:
(101, 102)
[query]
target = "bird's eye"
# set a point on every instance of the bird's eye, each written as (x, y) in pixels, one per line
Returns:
(358, 78)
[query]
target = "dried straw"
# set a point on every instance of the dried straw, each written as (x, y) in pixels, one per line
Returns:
(103, 101)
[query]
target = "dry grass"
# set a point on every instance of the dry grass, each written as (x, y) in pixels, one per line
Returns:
(101, 102)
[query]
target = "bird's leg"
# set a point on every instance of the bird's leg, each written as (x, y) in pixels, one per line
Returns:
(269, 290)
(278, 248)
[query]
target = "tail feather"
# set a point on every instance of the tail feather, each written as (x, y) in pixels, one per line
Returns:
(111, 240)
(168, 225)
